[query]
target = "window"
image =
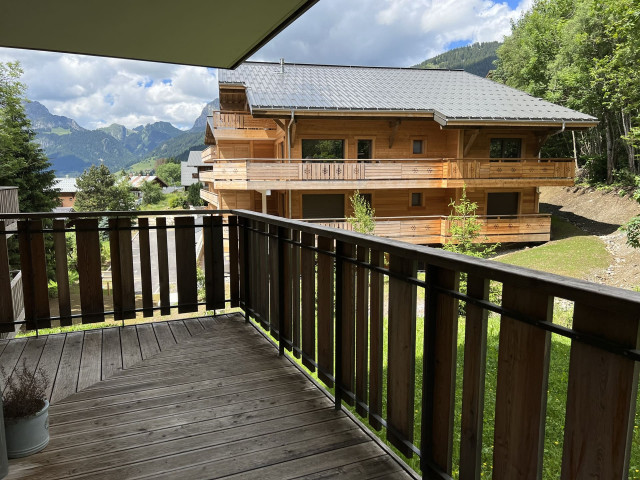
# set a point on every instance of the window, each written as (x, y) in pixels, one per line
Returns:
(323, 206)
(322, 149)
(364, 149)
(416, 199)
(505, 148)
(418, 147)
(367, 198)
(503, 203)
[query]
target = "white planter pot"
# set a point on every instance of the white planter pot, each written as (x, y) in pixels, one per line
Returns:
(27, 435)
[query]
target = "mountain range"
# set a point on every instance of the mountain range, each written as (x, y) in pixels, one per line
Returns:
(72, 148)
(476, 58)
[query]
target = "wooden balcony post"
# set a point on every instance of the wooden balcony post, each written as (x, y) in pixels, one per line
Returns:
(362, 330)
(124, 302)
(402, 348)
(163, 265)
(89, 270)
(308, 324)
(439, 372)
(213, 262)
(376, 340)
(282, 234)
(325, 310)
(145, 267)
(186, 271)
(601, 398)
(274, 280)
(234, 261)
(6, 300)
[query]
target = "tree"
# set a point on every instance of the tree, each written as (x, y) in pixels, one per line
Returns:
(362, 220)
(193, 194)
(100, 191)
(464, 229)
(169, 173)
(151, 193)
(23, 162)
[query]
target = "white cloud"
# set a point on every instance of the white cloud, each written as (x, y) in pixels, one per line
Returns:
(99, 91)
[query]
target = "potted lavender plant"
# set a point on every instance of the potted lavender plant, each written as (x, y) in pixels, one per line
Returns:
(26, 412)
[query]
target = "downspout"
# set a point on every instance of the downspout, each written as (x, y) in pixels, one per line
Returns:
(289, 153)
(554, 133)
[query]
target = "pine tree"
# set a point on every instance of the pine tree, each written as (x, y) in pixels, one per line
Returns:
(22, 162)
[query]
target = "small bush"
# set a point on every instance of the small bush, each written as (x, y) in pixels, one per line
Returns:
(25, 394)
(178, 200)
(363, 220)
(632, 227)
(52, 289)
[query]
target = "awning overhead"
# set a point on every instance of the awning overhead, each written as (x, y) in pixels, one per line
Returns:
(211, 33)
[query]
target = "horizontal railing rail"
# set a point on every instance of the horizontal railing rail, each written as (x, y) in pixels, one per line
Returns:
(430, 171)
(355, 310)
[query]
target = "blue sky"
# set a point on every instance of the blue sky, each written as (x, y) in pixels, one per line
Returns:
(99, 91)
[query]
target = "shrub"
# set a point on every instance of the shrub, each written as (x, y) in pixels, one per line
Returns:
(362, 220)
(178, 200)
(632, 227)
(52, 289)
(25, 394)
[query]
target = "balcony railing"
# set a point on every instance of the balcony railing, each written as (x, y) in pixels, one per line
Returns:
(435, 229)
(209, 154)
(241, 121)
(9, 204)
(256, 174)
(356, 311)
(212, 198)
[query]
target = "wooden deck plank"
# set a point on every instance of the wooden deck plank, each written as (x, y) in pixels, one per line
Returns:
(111, 352)
(31, 353)
(91, 360)
(9, 359)
(164, 335)
(131, 354)
(67, 378)
(179, 331)
(148, 342)
(50, 359)
(194, 326)
(376, 467)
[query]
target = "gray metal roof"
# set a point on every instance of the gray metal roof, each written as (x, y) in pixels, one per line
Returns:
(448, 94)
(195, 158)
(65, 185)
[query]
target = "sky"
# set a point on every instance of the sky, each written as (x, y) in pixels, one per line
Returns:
(97, 92)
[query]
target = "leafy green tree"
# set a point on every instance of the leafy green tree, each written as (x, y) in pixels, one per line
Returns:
(178, 200)
(151, 193)
(464, 229)
(100, 191)
(23, 162)
(169, 173)
(193, 194)
(362, 220)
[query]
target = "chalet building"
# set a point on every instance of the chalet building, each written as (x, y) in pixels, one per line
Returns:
(297, 140)
(136, 181)
(191, 168)
(67, 191)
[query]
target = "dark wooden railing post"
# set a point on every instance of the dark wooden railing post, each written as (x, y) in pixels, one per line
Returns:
(6, 301)
(234, 261)
(475, 354)
(145, 267)
(213, 262)
(34, 274)
(186, 270)
(362, 330)
(338, 327)
(163, 265)
(601, 398)
(89, 270)
(438, 385)
(308, 269)
(376, 341)
(325, 282)
(282, 234)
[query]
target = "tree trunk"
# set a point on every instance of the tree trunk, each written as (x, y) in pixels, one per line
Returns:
(631, 154)
(609, 139)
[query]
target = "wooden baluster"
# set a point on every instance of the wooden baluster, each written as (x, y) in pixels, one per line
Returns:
(521, 391)
(274, 285)
(402, 348)
(163, 265)
(145, 267)
(234, 261)
(308, 268)
(89, 270)
(6, 298)
(186, 272)
(124, 297)
(213, 262)
(362, 328)
(62, 272)
(295, 292)
(475, 355)
(601, 397)
(33, 264)
(376, 339)
(325, 310)
(285, 284)
(347, 370)
(243, 259)
(439, 372)
(262, 264)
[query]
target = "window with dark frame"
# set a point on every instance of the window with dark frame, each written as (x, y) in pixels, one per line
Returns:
(502, 203)
(365, 149)
(418, 146)
(323, 149)
(367, 198)
(505, 148)
(416, 199)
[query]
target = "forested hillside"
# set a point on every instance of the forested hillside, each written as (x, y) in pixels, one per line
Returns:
(477, 58)
(583, 54)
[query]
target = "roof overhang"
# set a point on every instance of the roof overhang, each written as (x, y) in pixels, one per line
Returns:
(190, 32)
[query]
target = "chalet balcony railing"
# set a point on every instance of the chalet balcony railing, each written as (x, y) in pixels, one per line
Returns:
(9, 204)
(257, 174)
(212, 198)
(434, 229)
(357, 312)
(241, 121)
(209, 154)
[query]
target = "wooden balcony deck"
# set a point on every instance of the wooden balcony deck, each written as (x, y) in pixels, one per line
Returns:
(199, 398)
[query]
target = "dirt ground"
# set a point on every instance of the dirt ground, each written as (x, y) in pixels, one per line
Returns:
(601, 214)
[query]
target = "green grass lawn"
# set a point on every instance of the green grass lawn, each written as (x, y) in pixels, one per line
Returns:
(573, 254)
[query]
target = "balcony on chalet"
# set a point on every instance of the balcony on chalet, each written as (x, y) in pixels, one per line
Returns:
(242, 126)
(305, 351)
(299, 174)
